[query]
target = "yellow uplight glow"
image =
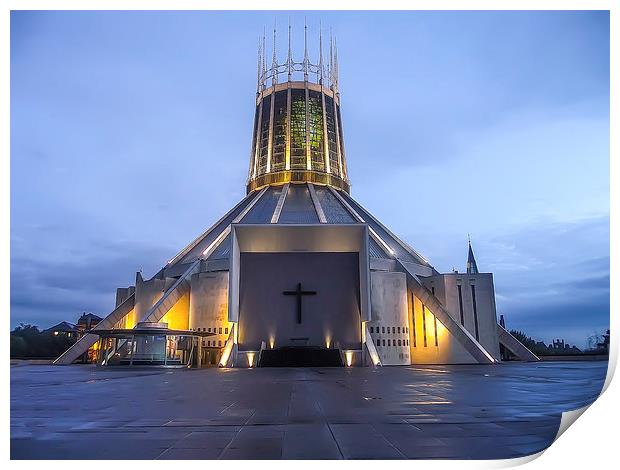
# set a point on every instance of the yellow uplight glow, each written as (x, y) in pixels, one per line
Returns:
(226, 353)
(328, 341)
(250, 359)
(272, 342)
(349, 357)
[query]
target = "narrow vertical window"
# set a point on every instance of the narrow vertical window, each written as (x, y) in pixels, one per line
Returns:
(424, 324)
(413, 321)
(461, 305)
(436, 336)
(473, 299)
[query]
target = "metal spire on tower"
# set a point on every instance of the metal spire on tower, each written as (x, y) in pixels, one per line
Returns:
(305, 51)
(264, 62)
(320, 54)
(259, 67)
(331, 59)
(289, 59)
(274, 61)
(336, 71)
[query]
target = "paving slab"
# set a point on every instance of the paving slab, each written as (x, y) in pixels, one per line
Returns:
(411, 412)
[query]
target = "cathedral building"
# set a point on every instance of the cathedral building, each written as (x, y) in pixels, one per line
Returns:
(298, 272)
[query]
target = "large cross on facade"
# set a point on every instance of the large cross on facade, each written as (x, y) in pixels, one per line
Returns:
(299, 293)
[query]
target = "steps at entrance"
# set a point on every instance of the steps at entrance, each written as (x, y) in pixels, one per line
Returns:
(300, 357)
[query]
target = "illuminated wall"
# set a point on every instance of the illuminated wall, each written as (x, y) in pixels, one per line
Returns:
(147, 294)
(430, 341)
(331, 315)
(208, 307)
(388, 326)
(470, 301)
(178, 316)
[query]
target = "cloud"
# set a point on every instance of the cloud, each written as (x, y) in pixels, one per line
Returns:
(49, 289)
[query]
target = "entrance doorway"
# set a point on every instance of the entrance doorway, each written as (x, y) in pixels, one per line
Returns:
(300, 356)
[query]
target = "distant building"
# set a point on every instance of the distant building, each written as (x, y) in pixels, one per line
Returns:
(604, 345)
(559, 346)
(87, 322)
(63, 328)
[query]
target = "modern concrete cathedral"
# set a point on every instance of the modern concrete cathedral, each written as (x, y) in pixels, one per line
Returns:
(298, 272)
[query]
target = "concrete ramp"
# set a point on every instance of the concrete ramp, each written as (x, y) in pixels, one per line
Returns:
(180, 287)
(86, 341)
(515, 346)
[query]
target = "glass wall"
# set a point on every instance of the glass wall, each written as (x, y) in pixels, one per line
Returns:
(331, 135)
(278, 157)
(147, 349)
(315, 125)
(264, 136)
(298, 129)
(302, 129)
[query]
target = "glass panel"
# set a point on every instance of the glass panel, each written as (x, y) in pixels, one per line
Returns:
(253, 156)
(149, 349)
(298, 129)
(264, 136)
(278, 157)
(341, 141)
(315, 124)
(331, 135)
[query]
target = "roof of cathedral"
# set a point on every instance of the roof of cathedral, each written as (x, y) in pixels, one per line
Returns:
(301, 204)
(298, 171)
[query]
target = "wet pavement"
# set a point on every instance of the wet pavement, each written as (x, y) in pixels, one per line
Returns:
(418, 412)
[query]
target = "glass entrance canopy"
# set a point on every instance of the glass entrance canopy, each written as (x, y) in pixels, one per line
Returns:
(149, 346)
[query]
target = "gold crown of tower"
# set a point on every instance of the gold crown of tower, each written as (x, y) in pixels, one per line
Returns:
(297, 125)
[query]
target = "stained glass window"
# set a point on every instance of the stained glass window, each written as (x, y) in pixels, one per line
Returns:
(331, 135)
(264, 136)
(298, 129)
(278, 152)
(253, 156)
(315, 125)
(341, 141)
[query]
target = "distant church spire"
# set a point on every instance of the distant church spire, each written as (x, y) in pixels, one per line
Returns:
(472, 267)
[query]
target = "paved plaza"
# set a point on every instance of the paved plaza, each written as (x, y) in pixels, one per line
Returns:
(416, 412)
